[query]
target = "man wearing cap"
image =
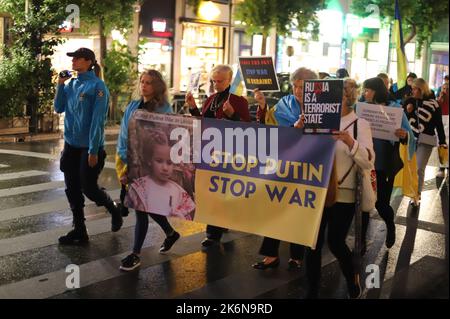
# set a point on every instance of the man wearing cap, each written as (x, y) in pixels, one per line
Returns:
(84, 101)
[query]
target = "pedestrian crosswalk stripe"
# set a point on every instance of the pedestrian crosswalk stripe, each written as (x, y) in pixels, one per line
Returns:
(23, 174)
(54, 283)
(44, 156)
(31, 188)
(30, 154)
(14, 245)
(110, 142)
(42, 208)
(3, 166)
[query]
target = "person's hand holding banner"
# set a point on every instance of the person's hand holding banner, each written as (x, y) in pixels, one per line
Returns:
(300, 122)
(124, 180)
(189, 100)
(345, 138)
(260, 98)
(401, 133)
(228, 109)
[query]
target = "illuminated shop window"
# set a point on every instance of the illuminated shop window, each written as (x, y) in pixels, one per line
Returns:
(202, 48)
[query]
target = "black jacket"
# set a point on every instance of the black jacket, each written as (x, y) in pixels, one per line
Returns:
(426, 117)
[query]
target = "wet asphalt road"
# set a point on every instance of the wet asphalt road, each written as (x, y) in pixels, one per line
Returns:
(34, 213)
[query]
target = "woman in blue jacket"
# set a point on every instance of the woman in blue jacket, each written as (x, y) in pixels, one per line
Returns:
(84, 101)
(153, 91)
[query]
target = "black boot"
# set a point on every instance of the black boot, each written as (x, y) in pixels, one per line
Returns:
(77, 236)
(354, 288)
(390, 234)
(123, 210)
(116, 216)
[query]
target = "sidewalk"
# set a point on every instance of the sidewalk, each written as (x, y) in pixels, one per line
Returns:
(31, 137)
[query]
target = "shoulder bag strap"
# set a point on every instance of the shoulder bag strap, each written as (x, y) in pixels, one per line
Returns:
(355, 136)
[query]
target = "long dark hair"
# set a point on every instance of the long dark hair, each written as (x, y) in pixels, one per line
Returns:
(160, 95)
(381, 92)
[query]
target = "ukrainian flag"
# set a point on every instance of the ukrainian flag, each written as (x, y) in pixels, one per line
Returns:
(237, 88)
(407, 179)
(401, 57)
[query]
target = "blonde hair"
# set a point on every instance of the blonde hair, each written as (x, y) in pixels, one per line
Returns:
(383, 76)
(223, 68)
(353, 93)
(422, 85)
(303, 74)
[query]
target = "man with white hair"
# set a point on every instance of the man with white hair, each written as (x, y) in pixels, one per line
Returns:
(220, 105)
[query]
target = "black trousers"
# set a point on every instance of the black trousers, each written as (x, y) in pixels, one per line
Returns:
(214, 232)
(385, 185)
(339, 219)
(80, 180)
(270, 248)
(140, 230)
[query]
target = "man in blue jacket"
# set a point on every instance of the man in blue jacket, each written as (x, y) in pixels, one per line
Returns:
(85, 103)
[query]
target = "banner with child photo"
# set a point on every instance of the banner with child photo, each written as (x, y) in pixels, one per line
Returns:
(264, 180)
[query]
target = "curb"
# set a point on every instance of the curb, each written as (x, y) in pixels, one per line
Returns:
(30, 137)
(18, 138)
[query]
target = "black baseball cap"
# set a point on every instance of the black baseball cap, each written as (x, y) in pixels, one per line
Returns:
(85, 53)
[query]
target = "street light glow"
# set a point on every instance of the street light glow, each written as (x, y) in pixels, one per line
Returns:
(208, 11)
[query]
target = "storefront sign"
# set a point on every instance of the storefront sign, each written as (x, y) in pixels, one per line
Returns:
(384, 120)
(65, 27)
(161, 28)
(259, 73)
(322, 103)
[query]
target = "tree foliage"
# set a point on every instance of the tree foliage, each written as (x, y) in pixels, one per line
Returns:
(120, 75)
(260, 16)
(25, 69)
(119, 62)
(13, 72)
(420, 18)
(114, 14)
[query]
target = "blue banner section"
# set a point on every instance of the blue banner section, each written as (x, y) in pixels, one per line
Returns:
(280, 154)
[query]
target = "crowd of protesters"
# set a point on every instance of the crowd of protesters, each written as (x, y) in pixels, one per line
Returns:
(84, 100)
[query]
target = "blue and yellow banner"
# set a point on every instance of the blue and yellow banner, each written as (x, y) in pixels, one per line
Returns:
(266, 180)
(280, 196)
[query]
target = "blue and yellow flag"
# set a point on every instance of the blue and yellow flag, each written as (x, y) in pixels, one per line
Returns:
(285, 113)
(407, 179)
(237, 87)
(401, 57)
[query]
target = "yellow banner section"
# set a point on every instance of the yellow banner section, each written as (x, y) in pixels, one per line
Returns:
(285, 211)
(407, 179)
